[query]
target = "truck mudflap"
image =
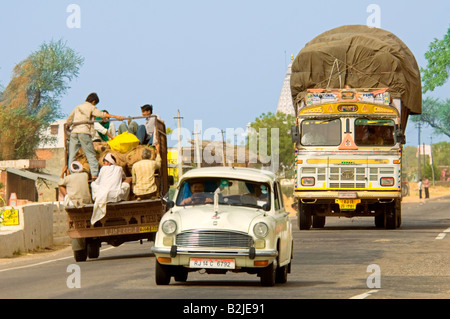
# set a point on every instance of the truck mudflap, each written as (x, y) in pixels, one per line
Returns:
(123, 218)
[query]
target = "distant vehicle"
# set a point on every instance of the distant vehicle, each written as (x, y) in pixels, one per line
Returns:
(225, 219)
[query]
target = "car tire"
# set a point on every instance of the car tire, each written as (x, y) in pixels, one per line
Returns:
(162, 274)
(281, 274)
(268, 274)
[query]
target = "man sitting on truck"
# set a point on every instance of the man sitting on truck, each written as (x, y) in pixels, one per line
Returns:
(143, 174)
(74, 187)
(111, 186)
(145, 133)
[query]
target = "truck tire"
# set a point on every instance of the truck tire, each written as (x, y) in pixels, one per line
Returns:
(93, 249)
(304, 216)
(393, 210)
(80, 255)
(162, 274)
(318, 221)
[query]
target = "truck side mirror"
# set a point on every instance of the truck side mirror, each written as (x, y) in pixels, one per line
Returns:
(295, 134)
(400, 137)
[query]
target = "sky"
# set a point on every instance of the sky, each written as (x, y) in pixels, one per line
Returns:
(220, 63)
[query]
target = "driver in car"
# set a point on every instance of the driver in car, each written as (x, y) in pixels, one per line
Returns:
(198, 196)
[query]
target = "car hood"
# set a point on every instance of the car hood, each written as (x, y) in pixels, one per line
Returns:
(228, 217)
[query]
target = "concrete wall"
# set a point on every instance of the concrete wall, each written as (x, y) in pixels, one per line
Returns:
(41, 225)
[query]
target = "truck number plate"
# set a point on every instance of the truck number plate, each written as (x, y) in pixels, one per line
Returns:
(212, 263)
(347, 204)
(148, 229)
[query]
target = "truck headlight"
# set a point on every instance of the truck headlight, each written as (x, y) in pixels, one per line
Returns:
(169, 226)
(387, 181)
(260, 230)
(308, 181)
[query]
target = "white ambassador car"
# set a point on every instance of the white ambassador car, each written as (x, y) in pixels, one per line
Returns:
(225, 219)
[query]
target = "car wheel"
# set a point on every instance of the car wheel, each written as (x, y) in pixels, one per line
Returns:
(181, 274)
(281, 274)
(268, 274)
(162, 274)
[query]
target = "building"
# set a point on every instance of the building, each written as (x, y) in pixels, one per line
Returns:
(285, 104)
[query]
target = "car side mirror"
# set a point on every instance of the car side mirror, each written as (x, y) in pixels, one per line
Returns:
(295, 134)
(170, 204)
(266, 207)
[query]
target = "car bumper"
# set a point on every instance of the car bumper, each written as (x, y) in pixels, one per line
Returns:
(243, 257)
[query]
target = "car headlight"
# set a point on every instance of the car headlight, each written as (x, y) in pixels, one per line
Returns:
(260, 230)
(169, 226)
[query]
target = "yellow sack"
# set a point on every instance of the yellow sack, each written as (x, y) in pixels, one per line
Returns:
(123, 142)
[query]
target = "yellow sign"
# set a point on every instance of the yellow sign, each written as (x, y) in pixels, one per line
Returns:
(10, 217)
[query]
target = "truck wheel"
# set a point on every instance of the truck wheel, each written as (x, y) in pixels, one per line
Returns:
(162, 273)
(80, 255)
(93, 249)
(304, 216)
(318, 221)
(391, 216)
(268, 274)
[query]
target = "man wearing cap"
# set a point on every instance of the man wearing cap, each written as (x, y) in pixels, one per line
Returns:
(74, 187)
(81, 134)
(111, 186)
(145, 133)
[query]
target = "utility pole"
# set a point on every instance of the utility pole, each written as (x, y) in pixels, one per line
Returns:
(180, 156)
(223, 149)
(431, 157)
(197, 148)
(419, 176)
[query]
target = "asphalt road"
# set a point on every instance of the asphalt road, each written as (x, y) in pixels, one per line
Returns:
(349, 258)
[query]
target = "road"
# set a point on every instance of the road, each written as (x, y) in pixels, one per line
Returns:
(349, 258)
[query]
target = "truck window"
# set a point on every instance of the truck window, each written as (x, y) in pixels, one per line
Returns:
(374, 132)
(321, 132)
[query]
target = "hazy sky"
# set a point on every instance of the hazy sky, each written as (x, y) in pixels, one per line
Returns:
(221, 62)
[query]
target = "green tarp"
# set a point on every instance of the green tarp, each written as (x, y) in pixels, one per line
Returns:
(360, 57)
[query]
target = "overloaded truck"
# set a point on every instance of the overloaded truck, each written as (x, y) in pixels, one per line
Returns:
(124, 221)
(353, 88)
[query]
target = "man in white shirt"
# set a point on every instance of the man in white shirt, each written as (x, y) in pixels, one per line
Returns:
(81, 134)
(111, 186)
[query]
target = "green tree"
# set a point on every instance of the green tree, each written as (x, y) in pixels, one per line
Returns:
(438, 67)
(435, 113)
(30, 102)
(283, 122)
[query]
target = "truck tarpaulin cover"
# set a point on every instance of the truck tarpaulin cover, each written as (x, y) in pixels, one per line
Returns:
(360, 57)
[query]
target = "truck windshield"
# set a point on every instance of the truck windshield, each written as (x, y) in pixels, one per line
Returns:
(374, 132)
(232, 192)
(321, 132)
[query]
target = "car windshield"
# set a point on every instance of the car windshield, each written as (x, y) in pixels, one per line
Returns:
(370, 132)
(321, 132)
(231, 192)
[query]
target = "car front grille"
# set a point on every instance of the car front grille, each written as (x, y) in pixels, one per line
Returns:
(212, 238)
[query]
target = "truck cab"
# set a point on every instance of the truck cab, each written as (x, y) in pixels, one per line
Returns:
(348, 147)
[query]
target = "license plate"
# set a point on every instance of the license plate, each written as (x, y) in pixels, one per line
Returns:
(148, 229)
(212, 263)
(348, 204)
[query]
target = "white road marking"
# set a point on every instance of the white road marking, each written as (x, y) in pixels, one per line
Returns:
(443, 234)
(364, 295)
(44, 262)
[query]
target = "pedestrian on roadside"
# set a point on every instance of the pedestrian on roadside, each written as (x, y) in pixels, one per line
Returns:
(81, 134)
(420, 188)
(426, 185)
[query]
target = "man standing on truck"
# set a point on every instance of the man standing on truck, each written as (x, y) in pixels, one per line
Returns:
(81, 133)
(143, 174)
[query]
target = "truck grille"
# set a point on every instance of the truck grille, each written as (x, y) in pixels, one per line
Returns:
(348, 177)
(212, 238)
